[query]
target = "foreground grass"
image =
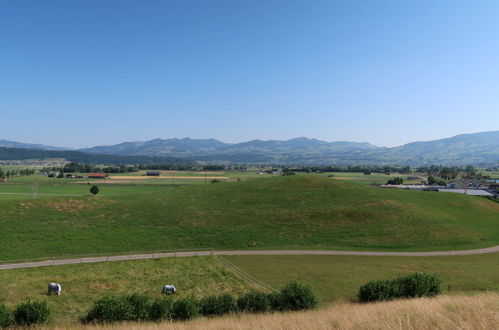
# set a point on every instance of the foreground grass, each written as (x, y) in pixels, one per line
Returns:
(444, 312)
(82, 284)
(339, 277)
(305, 211)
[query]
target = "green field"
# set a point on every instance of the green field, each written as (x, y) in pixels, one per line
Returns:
(84, 283)
(339, 277)
(306, 212)
(334, 277)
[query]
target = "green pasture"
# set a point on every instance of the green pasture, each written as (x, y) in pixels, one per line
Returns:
(44, 191)
(339, 277)
(300, 212)
(84, 283)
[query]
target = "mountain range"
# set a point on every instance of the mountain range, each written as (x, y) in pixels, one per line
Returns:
(476, 149)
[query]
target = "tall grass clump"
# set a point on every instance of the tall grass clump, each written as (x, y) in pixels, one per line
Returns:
(31, 312)
(5, 317)
(218, 305)
(409, 286)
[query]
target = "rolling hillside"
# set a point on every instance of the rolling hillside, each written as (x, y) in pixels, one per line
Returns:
(302, 212)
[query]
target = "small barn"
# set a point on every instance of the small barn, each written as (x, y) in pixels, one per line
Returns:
(153, 173)
(97, 175)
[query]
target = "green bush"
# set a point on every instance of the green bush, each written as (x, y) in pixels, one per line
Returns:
(5, 318)
(253, 301)
(184, 309)
(419, 285)
(141, 304)
(218, 305)
(275, 303)
(297, 296)
(31, 312)
(378, 290)
(110, 309)
(161, 309)
(409, 286)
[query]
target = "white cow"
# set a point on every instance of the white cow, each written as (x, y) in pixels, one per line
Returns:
(169, 289)
(54, 287)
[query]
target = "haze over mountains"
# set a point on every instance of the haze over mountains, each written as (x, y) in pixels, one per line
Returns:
(476, 149)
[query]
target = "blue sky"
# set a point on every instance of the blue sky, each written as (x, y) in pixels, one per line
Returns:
(83, 73)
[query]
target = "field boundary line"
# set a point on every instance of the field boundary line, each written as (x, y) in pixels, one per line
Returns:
(248, 277)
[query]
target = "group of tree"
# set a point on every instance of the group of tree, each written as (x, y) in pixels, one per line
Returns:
(354, 168)
(13, 173)
(395, 181)
(447, 172)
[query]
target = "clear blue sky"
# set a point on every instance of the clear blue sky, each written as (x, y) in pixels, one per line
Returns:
(83, 73)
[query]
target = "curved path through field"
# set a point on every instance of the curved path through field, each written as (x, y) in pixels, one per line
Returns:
(233, 253)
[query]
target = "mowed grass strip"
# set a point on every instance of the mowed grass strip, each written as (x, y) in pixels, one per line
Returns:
(82, 284)
(340, 277)
(302, 212)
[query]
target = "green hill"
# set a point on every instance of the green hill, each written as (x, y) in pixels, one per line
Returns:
(302, 212)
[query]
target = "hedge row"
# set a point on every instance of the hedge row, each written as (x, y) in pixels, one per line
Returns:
(294, 296)
(410, 286)
(25, 314)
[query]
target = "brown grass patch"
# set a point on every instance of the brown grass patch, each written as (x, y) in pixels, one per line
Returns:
(445, 312)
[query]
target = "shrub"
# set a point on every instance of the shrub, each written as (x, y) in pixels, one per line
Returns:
(275, 303)
(5, 319)
(409, 286)
(161, 309)
(184, 309)
(254, 301)
(215, 181)
(140, 304)
(419, 285)
(110, 309)
(31, 312)
(218, 305)
(296, 296)
(378, 290)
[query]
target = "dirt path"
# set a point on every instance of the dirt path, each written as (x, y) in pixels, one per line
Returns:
(233, 253)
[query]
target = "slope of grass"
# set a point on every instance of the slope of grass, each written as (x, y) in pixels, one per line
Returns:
(84, 283)
(339, 277)
(307, 212)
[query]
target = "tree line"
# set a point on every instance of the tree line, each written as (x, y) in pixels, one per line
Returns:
(14, 173)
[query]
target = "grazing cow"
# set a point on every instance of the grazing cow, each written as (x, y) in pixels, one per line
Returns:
(169, 289)
(54, 287)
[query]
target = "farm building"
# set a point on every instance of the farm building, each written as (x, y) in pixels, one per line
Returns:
(153, 173)
(97, 175)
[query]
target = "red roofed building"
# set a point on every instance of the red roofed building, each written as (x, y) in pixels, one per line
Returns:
(97, 175)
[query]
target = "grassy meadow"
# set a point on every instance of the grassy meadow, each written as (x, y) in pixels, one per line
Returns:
(84, 283)
(304, 211)
(339, 277)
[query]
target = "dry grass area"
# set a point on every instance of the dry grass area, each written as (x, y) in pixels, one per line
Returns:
(445, 312)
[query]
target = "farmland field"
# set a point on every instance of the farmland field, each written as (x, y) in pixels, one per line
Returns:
(84, 283)
(304, 211)
(339, 277)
